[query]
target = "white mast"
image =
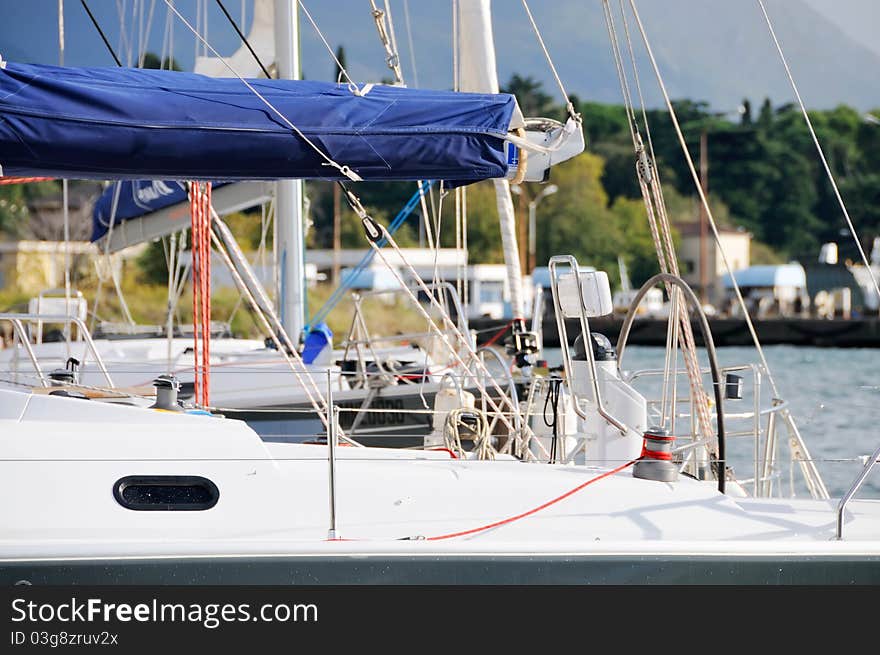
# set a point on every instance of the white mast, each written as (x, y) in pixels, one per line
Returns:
(476, 58)
(289, 193)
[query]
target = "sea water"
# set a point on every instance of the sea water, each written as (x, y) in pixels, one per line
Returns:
(833, 395)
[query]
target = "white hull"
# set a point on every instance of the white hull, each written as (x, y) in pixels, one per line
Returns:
(60, 459)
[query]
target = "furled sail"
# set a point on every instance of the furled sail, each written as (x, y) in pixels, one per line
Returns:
(261, 38)
(124, 123)
(478, 73)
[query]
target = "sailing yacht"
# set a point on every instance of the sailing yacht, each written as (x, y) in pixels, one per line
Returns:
(385, 387)
(108, 492)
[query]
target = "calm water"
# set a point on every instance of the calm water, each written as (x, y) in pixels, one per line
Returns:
(834, 396)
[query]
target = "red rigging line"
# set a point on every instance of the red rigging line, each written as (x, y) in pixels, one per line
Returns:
(194, 219)
(534, 510)
(24, 180)
(200, 212)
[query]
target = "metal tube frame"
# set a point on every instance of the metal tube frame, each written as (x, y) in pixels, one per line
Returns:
(857, 483)
(333, 415)
(585, 331)
(708, 345)
(511, 386)
(67, 320)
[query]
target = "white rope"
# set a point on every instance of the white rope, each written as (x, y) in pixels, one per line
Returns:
(461, 362)
(570, 126)
(696, 179)
(621, 71)
(144, 34)
(793, 431)
(456, 64)
(141, 51)
(661, 233)
(464, 237)
(480, 366)
(205, 22)
(409, 38)
(123, 43)
(642, 105)
(198, 47)
(569, 106)
(169, 21)
(673, 338)
(482, 437)
(345, 170)
(351, 84)
(819, 149)
(426, 217)
(170, 41)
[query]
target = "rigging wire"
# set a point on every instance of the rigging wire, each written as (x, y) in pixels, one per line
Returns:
(386, 36)
(124, 45)
(661, 233)
(409, 38)
(568, 105)
(375, 233)
(144, 33)
(243, 38)
(819, 149)
(352, 86)
(101, 33)
(258, 258)
(673, 332)
(696, 179)
(345, 170)
(822, 491)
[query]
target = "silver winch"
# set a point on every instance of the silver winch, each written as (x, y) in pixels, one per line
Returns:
(656, 460)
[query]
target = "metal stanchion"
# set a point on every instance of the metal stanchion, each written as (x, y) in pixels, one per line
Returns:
(332, 419)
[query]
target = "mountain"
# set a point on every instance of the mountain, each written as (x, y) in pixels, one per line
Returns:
(718, 51)
(857, 18)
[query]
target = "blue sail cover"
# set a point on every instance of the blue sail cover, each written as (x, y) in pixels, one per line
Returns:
(129, 123)
(134, 198)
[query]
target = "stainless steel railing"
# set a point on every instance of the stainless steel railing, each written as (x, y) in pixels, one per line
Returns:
(860, 478)
(17, 323)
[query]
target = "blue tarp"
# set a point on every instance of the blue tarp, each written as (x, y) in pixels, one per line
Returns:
(129, 123)
(135, 198)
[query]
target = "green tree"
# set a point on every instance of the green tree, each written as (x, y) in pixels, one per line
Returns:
(576, 220)
(152, 60)
(532, 99)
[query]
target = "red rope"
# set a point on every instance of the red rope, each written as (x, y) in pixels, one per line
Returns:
(200, 215)
(499, 333)
(196, 267)
(445, 450)
(653, 454)
(536, 509)
(656, 454)
(23, 180)
(206, 292)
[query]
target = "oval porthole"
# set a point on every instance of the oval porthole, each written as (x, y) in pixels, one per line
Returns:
(166, 492)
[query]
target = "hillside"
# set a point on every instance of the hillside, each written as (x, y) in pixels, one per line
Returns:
(713, 50)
